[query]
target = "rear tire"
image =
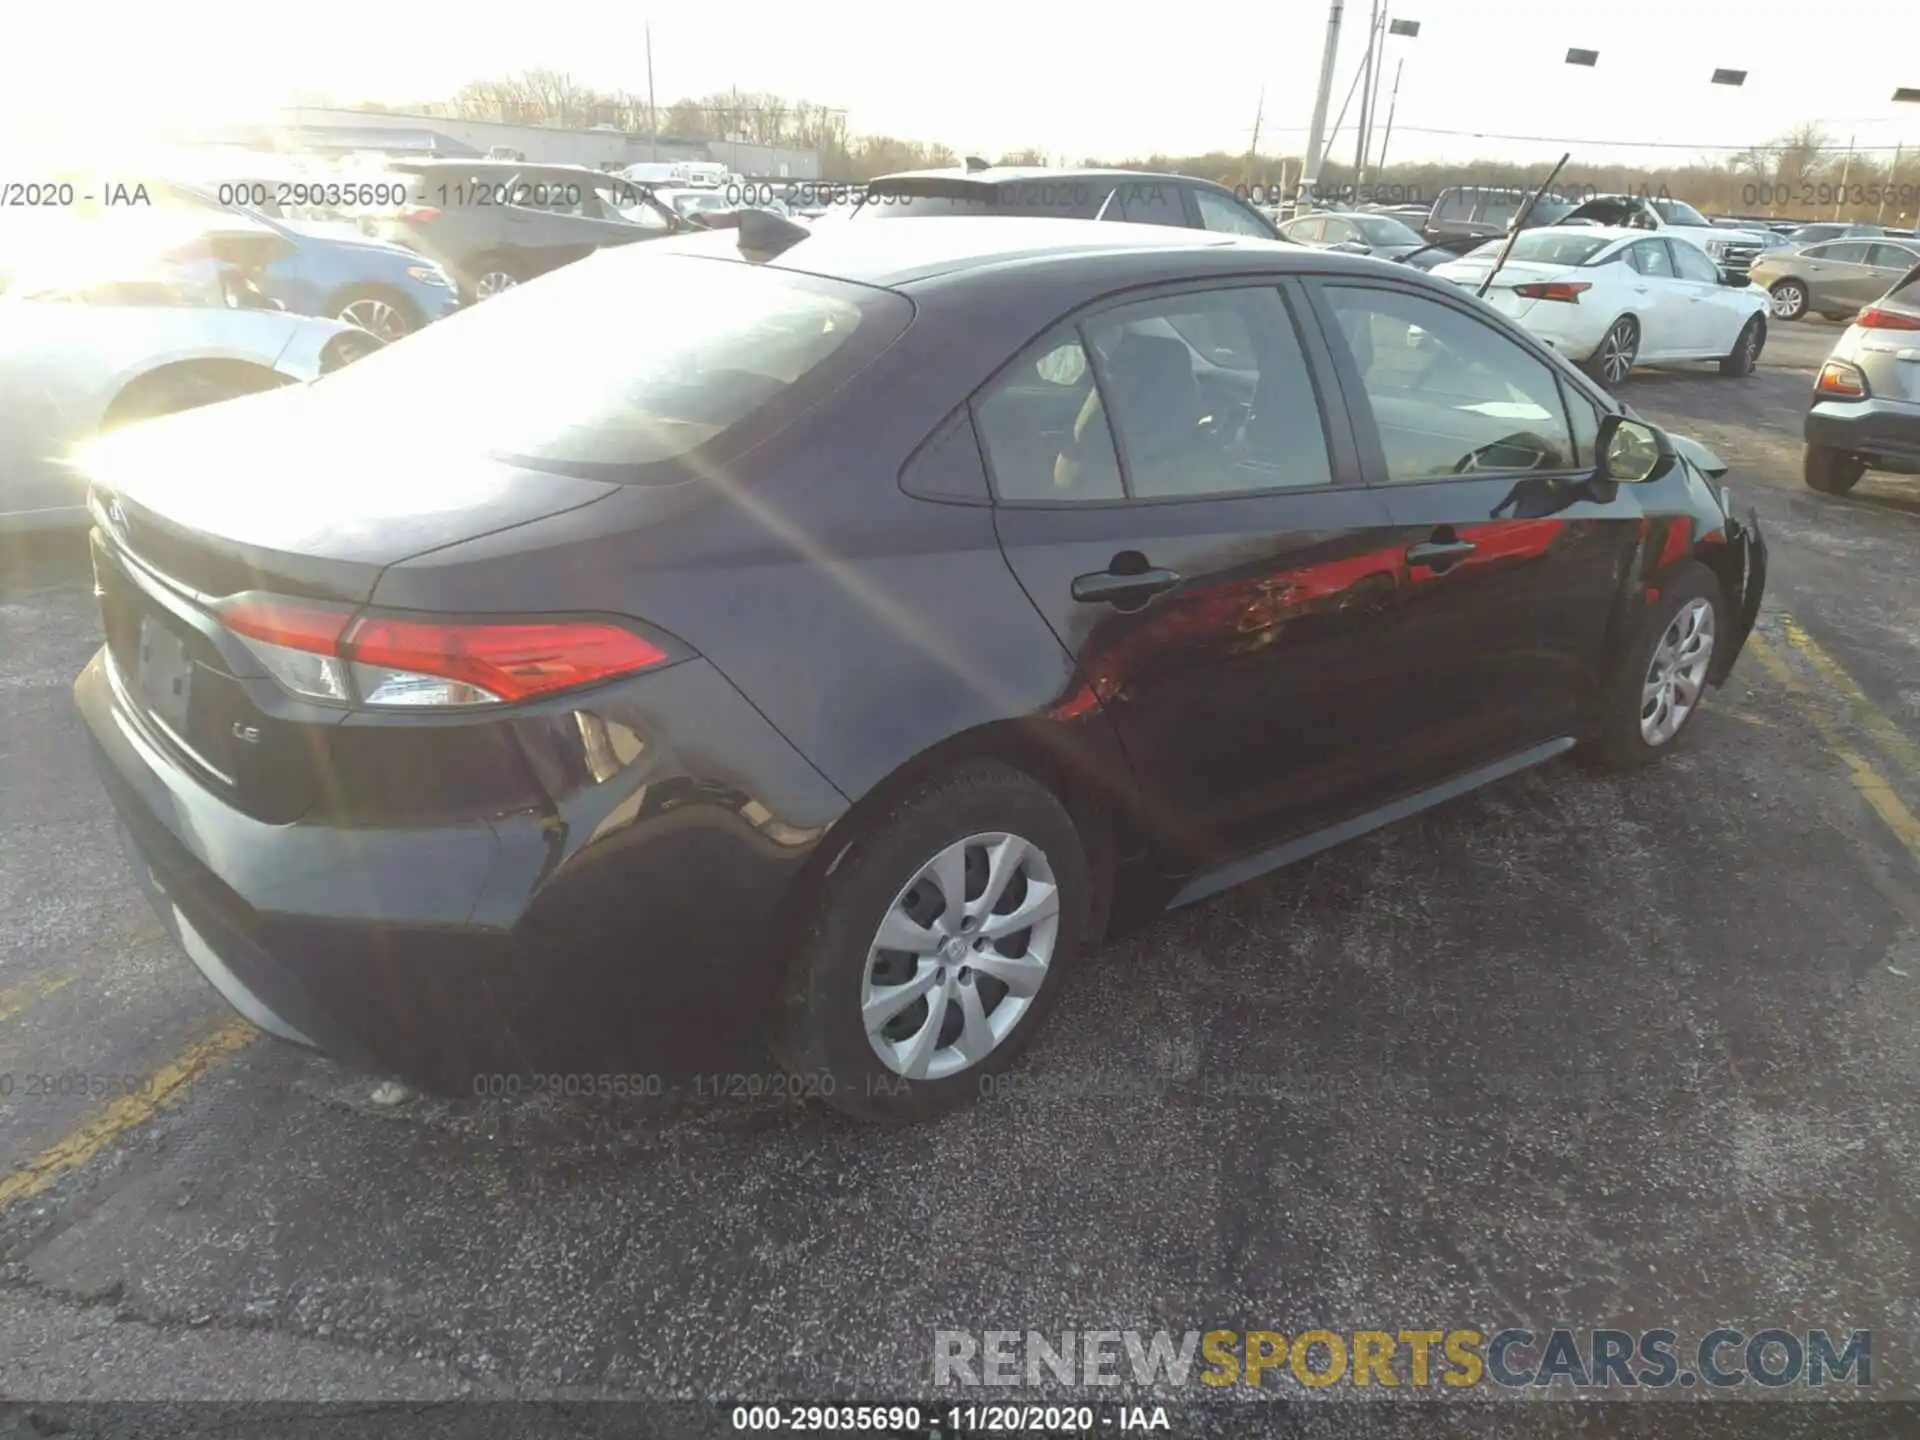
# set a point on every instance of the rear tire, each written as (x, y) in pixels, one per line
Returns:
(1613, 358)
(1745, 356)
(1659, 682)
(887, 879)
(380, 313)
(1789, 299)
(1831, 471)
(494, 273)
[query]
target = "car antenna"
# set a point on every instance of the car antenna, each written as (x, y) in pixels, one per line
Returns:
(1519, 221)
(763, 234)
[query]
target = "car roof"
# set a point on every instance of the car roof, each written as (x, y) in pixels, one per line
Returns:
(1609, 233)
(897, 255)
(503, 167)
(1014, 174)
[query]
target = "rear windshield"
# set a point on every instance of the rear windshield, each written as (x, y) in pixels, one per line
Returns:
(617, 363)
(1549, 249)
(1063, 199)
(1906, 294)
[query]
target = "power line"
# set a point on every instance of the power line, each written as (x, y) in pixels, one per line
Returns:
(1618, 144)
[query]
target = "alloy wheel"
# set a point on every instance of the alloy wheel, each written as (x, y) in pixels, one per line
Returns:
(1617, 351)
(492, 283)
(376, 317)
(960, 956)
(1677, 673)
(1787, 301)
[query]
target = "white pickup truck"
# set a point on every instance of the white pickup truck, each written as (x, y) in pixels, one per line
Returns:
(1732, 250)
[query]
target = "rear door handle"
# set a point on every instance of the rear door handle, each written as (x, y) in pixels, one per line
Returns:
(1104, 587)
(1439, 552)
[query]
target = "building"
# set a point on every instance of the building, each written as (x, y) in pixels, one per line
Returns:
(329, 131)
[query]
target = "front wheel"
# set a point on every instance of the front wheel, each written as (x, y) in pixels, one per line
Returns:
(1745, 355)
(1831, 471)
(380, 316)
(937, 946)
(493, 274)
(1611, 362)
(1659, 680)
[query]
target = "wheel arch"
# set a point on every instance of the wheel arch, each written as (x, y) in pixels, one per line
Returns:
(342, 295)
(1054, 755)
(258, 376)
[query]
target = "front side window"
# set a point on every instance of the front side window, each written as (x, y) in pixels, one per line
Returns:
(1694, 264)
(1650, 257)
(1846, 252)
(1449, 394)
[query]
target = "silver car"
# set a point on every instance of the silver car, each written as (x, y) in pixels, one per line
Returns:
(126, 322)
(1835, 277)
(1866, 402)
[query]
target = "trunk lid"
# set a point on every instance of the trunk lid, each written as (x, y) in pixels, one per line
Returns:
(263, 493)
(245, 496)
(1468, 274)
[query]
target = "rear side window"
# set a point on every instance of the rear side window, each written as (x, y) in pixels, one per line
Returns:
(1190, 427)
(1147, 202)
(1650, 257)
(1893, 257)
(1041, 424)
(620, 362)
(1223, 213)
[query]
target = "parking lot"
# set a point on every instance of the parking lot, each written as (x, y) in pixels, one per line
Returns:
(1575, 1050)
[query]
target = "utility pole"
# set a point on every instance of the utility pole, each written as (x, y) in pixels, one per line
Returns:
(1893, 179)
(1366, 100)
(1316, 132)
(1253, 146)
(1393, 104)
(653, 115)
(1845, 170)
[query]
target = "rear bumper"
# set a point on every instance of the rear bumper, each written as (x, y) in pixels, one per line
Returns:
(1887, 432)
(633, 928)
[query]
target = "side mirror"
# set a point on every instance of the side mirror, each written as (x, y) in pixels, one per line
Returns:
(1733, 280)
(1632, 451)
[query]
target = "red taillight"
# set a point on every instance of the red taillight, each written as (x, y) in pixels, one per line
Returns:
(320, 653)
(513, 662)
(1874, 318)
(1568, 290)
(286, 622)
(417, 213)
(1837, 377)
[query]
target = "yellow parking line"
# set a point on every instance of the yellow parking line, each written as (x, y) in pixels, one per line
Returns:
(1902, 751)
(16, 998)
(122, 1114)
(1873, 786)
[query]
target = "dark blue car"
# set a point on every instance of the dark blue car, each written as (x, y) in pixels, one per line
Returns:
(382, 288)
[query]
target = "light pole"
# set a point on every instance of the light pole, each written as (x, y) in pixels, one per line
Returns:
(1316, 132)
(1366, 100)
(1410, 29)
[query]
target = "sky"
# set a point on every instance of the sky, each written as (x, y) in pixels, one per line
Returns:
(994, 75)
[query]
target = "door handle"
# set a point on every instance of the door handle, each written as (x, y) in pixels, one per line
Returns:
(1106, 587)
(1439, 553)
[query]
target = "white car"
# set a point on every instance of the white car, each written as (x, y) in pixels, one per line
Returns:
(1611, 299)
(109, 333)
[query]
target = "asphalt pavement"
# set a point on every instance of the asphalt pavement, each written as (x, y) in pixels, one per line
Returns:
(1577, 1049)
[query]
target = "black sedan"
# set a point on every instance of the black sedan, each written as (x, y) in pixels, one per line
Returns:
(1385, 236)
(817, 641)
